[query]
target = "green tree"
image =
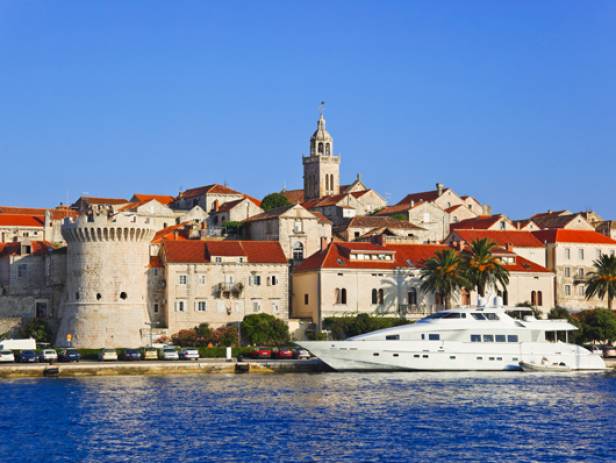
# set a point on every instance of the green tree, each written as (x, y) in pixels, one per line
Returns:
(37, 329)
(602, 281)
(483, 269)
(274, 200)
(445, 275)
(264, 329)
(559, 313)
(596, 325)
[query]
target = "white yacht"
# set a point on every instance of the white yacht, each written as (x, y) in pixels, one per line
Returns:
(481, 339)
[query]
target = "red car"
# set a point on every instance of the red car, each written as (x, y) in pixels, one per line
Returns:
(261, 353)
(283, 353)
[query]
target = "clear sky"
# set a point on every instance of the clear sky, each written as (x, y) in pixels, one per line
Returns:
(512, 102)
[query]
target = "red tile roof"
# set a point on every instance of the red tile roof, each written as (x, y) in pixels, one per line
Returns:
(427, 196)
(524, 265)
(371, 221)
(337, 255)
(57, 213)
(555, 221)
(38, 248)
(483, 222)
(294, 196)
(227, 206)
(396, 209)
(517, 238)
(172, 232)
(255, 252)
(560, 235)
(143, 198)
(21, 220)
(97, 200)
(215, 188)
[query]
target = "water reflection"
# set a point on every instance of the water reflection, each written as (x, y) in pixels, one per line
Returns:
(311, 417)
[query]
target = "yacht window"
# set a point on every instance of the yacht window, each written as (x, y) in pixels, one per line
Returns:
(500, 338)
(434, 337)
(499, 358)
(437, 315)
(475, 338)
(478, 316)
(491, 316)
(396, 355)
(491, 358)
(488, 338)
(452, 315)
(479, 358)
(423, 336)
(463, 315)
(512, 338)
(376, 354)
(416, 356)
(514, 359)
(425, 356)
(392, 337)
(452, 357)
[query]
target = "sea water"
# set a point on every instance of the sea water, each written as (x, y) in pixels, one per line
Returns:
(328, 417)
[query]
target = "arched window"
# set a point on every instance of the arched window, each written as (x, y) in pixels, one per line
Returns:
(533, 298)
(331, 182)
(326, 182)
(343, 296)
(337, 295)
(327, 149)
(381, 296)
(413, 296)
(320, 148)
(298, 252)
(374, 297)
(539, 298)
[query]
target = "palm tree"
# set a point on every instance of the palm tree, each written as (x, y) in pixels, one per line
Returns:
(483, 269)
(444, 275)
(603, 280)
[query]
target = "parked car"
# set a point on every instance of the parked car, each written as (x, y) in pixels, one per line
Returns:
(7, 356)
(48, 355)
(189, 353)
(107, 355)
(27, 356)
(149, 353)
(283, 353)
(169, 353)
(130, 354)
(69, 355)
(260, 353)
(301, 354)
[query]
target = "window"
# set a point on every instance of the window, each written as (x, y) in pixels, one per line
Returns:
(475, 338)
(488, 338)
(327, 149)
(255, 280)
(533, 298)
(567, 272)
(491, 316)
(256, 306)
(275, 306)
(200, 306)
(374, 297)
(581, 290)
(567, 290)
(156, 308)
(567, 253)
(40, 309)
(341, 296)
(99, 296)
(297, 226)
(320, 147)
(392, 337)
(500, 338)
(581, 253)
(598, 253)
(356, 234)
(381, 296)
(412, 296)
(182, 279)
(512, 338)
(306, 299)
(218, 260)
(580, 273)
(201, 279)
(273, 280)
(123, 295)
(503, 225)
(77, 296)
(180, 306)
(478, 316)
(434, 337)
(298, 252)
(539, 298)
(22, 269)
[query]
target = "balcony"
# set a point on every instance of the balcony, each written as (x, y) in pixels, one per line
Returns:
(228, 290)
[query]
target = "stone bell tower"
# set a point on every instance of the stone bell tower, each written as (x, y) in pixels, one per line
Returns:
(322, 166)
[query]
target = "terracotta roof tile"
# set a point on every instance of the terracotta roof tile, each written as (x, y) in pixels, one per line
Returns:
(559, 235)
(142, 198)
(517, 238)
(427, 196)
(255, 252)
(482, 222)
(21, 220)
(214, 188)
(38, 248)
(373, 221)
(294, 196)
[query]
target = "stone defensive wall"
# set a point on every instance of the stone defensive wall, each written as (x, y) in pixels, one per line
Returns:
(106, 282)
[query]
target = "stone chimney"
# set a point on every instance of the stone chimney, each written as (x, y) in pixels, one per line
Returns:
(440, 188)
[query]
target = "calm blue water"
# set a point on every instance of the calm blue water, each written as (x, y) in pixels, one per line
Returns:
(311, 417)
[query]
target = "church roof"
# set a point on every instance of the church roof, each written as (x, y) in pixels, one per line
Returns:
(321, 133)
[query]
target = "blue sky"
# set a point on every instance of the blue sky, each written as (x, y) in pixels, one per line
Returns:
(512, 102)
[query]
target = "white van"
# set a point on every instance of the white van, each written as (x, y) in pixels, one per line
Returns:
(18, 344)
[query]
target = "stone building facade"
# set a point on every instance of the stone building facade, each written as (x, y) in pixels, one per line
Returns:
(220, 282)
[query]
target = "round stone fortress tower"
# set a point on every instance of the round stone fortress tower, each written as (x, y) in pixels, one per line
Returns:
(106, 281)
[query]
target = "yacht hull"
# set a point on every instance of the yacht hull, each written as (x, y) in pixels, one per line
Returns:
(366, 355)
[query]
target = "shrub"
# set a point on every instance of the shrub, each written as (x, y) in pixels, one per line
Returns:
(264, 329)
(225, 336)
(37, 329)
(344, 327)
(596, 325)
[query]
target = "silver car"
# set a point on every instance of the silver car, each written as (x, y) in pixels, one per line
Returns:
(169, 353)
(189, 353)
(48, 355)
